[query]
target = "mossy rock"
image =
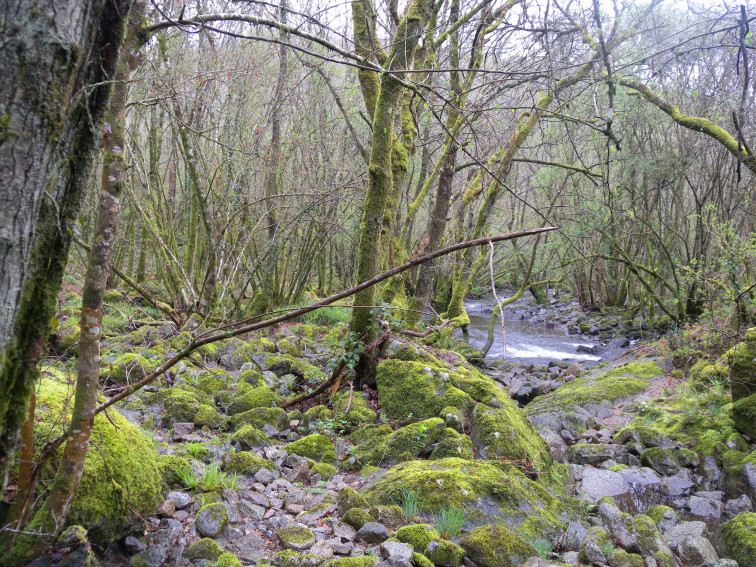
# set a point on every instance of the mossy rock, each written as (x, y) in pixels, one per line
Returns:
(739, 536)
(68, 338)
(297, 538)
(252, 398)
(444, 553)
(597, 536)
(186, 404)
(127, 368)
(357, 517)
(744, 415)
(453, 444)
(661, 460)
(453, 418)
(282, 364)
(349, 498)
(290, 345)
(496, 546)
(119, 477)
(390, 516)
(742, 359)
(573, 405)
(471, 354)
(315, 416)
(362, 561)
(644, 435)
(228, 560)
(250, 438)
(325, 470)
(621, 558)
(420, 560)
(651, 543)
(359, 411)
(382, 446)
(508, 434)
(316, 447)
(246, 463)
(204, 548)
(171, 467)
(488, 491)
(418, 536)
(258, 417)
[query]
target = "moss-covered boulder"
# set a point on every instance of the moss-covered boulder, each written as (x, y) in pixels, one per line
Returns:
(349, 498)
(452, 444)
(744, 415)
(357, 517)
(246, 463)
(187, 404)
(621, 558)
(297, 538)
(361, 561)
(171, 468)
(496, 546)
(249, 438)
(383, 446)
(487, 491)
(126, 368)
(661, 460)
(228, 560)
(282, 364)
(290, 345)
(576, 403)
(68, 338)
(249, 398)
(204, 548)
(739, 536)
(651, 543)
(359, 411)
(742, 359)
(418, 536)
(316, 447)
(259, 417)
(317, 416)
(593, 546)
(325, 470)
(444, 553)
(118, 482)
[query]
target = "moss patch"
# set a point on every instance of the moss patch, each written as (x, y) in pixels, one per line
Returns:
(496, 546)
(316, 447)
(205, 548)
(246, 463)
(740, 538)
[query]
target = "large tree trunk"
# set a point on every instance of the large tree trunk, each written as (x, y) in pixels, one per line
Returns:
(50, 123)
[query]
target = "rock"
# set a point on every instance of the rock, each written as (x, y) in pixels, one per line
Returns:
(620, 526)
(205, 548)
(570, 558)
(265, 476)
(444, 553)
(300, 472)
(705, 507)
(651, 543)
(687, 529)
(181, 430)
(349, 498)
(696, 550)
(250, 511)
(661, 460)
(71, 549)
(592, 547)
(678, 485)
(589, 454)
(372, 532)
(153, 556)
(396, 549)
(598, 483)
(132, 545)
(181, 499)
(739, 539)
(167, 509)
(344, 532)
(322, 549)
(725, 563)
(621, 558)
(496, 546)
(298, 538)
(738, 506)
(211, 520)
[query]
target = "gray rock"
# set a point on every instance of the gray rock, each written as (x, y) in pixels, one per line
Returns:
(593, 553)
(705, 507)
(211, 520)
(133, 545)
(372, 532)
(599, 482)
(278, 456)
(322, 549)
(345, 532)
(696, 550)
(265, 476)
(233, 513)
(249, 510)
(737, 505)
(570, 558)
(590, 454)
(181, 430)
(298, 538)
(395, 549)
(678, 485)
(620, 526)
(669, 519)
(725, 563)
(574, 534)
(300, 472)
(687, 529)
(270, 431)
(153, 556)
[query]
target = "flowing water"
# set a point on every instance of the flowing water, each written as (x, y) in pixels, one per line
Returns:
(527, 343)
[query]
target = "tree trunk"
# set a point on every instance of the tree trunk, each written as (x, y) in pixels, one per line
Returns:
(49, 127)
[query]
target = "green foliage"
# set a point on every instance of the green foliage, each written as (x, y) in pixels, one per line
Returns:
(212, 479)
(449, 521)
(543, 547)
(409, 504)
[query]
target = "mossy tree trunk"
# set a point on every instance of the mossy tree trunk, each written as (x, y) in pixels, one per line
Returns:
(49, 128)
(380, 174)
(71, 465)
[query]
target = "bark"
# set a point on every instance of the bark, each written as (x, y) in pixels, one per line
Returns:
(49, 127)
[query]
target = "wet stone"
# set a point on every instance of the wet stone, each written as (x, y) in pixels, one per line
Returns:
(705, 507)
(687, 529)
(372, 532)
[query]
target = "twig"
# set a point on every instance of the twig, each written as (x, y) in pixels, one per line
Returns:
(498, 303)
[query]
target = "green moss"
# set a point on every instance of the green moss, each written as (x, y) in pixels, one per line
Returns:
(661, 460)
(418, 536)
(250, 438)
(186, 404)
(496, 546)
(445, 553)
(316, 415)
(597, 535)
(621, 558)
(195, 451)
(742, 359)
(744, 415)
(651, 543)
(739, 535)
(316, 447)
(246, 463)
(127, 368)
(359, 411)
(349, 498)
(325, 470)
(228, 560)
(357, 517)
(452, 417)
(390, 516)
(261, 397)
(293, 537)
(258, 417)
(369, 470)
(290, 345)
(205, 548)
(453, 444)
(618, 468)
(407, 389)
(170, 467)
(486, 490)
(118, 479)
(420, 560)
(656, 512)
(385, 447)
(364, 561)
